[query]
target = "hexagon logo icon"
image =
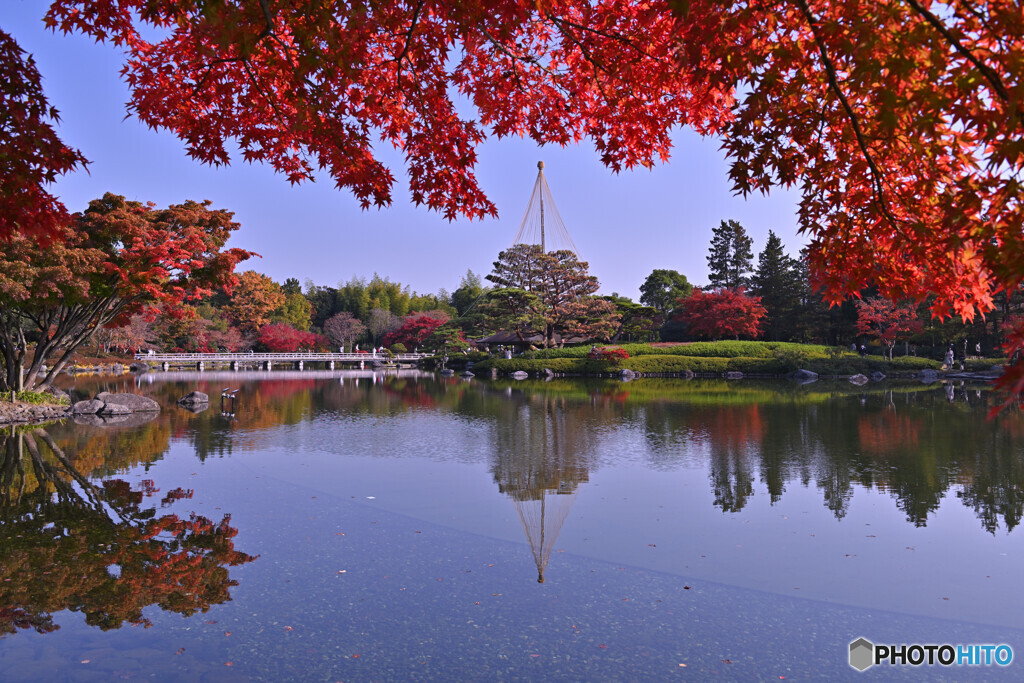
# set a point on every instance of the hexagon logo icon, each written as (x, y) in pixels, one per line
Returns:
(862, 654)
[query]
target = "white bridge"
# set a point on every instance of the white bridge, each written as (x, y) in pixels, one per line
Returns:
(266, 361)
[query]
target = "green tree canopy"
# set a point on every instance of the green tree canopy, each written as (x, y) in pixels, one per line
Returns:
(663, 288)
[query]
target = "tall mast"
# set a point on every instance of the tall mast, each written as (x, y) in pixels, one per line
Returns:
(540, 179)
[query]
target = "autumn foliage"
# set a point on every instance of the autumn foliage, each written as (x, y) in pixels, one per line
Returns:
(721, 313)
(33, 155)
(116, 259)
(281, 338)
(899, 121)
(415, 330)
(886, 320)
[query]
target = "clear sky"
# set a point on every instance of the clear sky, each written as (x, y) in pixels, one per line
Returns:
(624, 225)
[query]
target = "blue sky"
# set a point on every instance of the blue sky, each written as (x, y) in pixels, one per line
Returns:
(624, 225)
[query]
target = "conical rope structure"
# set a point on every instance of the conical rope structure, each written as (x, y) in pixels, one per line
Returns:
(541, 223)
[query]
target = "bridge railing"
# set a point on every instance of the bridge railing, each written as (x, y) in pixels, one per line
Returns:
(275, 357)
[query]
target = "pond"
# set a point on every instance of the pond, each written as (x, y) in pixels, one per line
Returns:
(368, 526)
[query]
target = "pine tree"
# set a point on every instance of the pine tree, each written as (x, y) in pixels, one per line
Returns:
(730, 256)
(776, 282)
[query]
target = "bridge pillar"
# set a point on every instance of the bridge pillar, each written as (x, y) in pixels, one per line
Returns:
(199, 366)
(166, 366)
(330, 365)
(234, 365)
(298, 365)
(267, 365)
(361, 366)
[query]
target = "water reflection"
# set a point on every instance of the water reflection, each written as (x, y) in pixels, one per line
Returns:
(542, 455)
(70, 543)
(908, 441)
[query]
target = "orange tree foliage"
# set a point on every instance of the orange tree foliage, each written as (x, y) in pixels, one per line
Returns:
(886, 320)
(721, 313)
(900, 120)
(110, 262)
(253, 299)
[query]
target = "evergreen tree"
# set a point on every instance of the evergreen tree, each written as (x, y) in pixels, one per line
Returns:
(730, 256)
(663, 288)
(776, 282)
(470, 289)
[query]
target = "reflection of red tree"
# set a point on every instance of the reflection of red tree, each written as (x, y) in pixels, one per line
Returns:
(411, 394)
(887, 433)
(95, 549)
(732, 428)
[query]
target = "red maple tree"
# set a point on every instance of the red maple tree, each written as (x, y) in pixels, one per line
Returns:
(33, 155)
(721, 313)
(886, 320)
(415, 330)
(114, 260)
(283, 338)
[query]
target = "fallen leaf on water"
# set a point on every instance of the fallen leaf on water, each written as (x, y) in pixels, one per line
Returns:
(180, 650)
(86, 661)
(289, 628)
(227, 633)
(603, 646)
(683, 665)
(651, 545)
(229, 663)
(686, 588)
(726, 661)
(355, 656)
(211, 621)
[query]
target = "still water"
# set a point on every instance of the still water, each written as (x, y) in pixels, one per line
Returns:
(360, 526)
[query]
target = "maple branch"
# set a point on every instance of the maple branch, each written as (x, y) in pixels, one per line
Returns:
(988, 72)
(603, 34)
(268, 17)
(408, 37)
(877, 178)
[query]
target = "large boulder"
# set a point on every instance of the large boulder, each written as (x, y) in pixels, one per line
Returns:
(133, 402)
(877, 376)
(627, 375)
(805, 376)
(90, 407)
(859, 380)
(928, 375)
(467, 374)
(519, 374)
(734, 374)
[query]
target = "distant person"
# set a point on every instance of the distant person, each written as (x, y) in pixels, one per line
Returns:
(863, 350)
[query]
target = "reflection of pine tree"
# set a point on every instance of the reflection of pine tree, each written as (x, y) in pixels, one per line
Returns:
(541, 458)
(64, 532)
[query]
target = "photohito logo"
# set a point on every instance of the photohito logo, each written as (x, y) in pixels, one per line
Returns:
(864, 654)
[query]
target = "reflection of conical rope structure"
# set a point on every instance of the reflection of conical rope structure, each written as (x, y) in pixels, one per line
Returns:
(541, 223)
(540, 466)
(542, 512)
